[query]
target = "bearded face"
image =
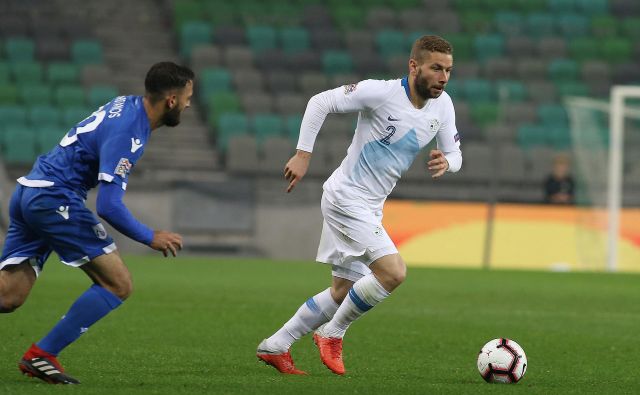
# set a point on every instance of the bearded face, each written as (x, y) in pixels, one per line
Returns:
(172, 117)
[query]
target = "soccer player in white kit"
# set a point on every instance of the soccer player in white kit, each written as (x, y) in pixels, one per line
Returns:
(396, 118)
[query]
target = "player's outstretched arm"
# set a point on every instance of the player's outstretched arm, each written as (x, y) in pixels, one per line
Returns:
(166, 242)
(296, 168)
(438, 164)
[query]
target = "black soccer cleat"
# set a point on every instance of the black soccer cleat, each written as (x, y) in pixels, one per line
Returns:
(46, 369)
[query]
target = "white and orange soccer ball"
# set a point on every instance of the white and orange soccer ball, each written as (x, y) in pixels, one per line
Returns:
(502, 361)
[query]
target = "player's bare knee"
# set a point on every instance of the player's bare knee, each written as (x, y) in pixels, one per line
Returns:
(9, 304)
(124, 289)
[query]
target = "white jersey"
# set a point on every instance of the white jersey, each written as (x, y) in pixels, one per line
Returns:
(389, 134)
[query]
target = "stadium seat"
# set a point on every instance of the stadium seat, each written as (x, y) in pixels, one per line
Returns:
(484, 113)
(280, 82)
(529, 6)
(218, 13)
(616, 50)
(631, 26)
(47, 137)
(69, 96)
(62, 73)
(572, 25)
(8, 94)
(19, 145)
(230, 124)
(603, 26)
(290, 103)
(85, 52)
(593, 7)
(13, 115)
(248, 81)
(381, 16)
(292, 127)
(519, 46)
(242, 155)
(582, 49)
(488, 46)
(515, 91)
(558, 137)
(220, 103)
(509, 23)
(266, 125)
(186, 10)
(193, 34)
(391, 42)
(552, 115)
(462, 45)
(562, 6)
(256, 103)
(512, 164)
(213, 81)
(540, 24)
(44, 115)
(478, 91)
(261, 38)
(476, 22)
(276, 151)
(20, 49)
(494, 68)
(35, 94)
(5, 74)
(563, 70)
(27, 72)
(293, 39)
(552, 47)
(101, 94)
(205, 56)
(529, 136)
(348, 16)
(572, 88)
(75, 114)
(444, 21)
(335, 62)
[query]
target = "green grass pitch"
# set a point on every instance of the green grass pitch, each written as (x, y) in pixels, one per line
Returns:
(192, 326)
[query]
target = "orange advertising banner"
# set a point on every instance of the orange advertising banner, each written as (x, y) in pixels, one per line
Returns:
(524, 236)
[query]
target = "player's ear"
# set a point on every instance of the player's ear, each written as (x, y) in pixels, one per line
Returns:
(413, 67)
(172, 101)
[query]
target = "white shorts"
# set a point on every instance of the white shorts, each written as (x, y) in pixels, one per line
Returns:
(352, 238)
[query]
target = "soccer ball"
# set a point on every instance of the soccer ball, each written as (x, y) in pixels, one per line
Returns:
(502, 361)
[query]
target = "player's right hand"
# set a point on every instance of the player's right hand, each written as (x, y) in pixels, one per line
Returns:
(296, 168)
(167, 242)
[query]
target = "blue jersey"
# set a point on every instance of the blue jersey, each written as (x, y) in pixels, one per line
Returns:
(104, 146)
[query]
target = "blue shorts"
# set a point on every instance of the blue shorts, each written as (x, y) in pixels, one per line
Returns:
(52, 219)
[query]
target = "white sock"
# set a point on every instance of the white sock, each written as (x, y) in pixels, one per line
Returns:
(314, 312)
(365, 293)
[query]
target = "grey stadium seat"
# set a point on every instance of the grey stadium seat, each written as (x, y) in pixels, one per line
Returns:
(531, 69)
(242, 155)
(511, 164)
(540, 163)
(313, 82)
(358, 40)
(280, 81)
(203, 56)
(552, 47)
(255, 103)
(290, 103)
(275, 153)
(248, 81)
(520, 46)
(381, 18)
(238, 57)
(498, 68)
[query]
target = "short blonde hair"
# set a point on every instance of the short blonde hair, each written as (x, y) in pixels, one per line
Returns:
(431, 44)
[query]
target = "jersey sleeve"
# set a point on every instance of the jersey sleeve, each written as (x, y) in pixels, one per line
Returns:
(119, 152)
(448, 138)
(363, 96)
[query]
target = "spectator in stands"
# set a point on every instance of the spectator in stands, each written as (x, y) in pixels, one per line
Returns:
(48, 212)
(559, 185)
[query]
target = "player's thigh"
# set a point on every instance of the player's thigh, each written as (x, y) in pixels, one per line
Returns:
(110, 272)
(390, 270)
(16, 282)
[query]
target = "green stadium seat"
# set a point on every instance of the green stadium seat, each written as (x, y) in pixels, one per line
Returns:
(582, 49)
(529, 6)
(187, 10)
(47, 137)
(540, 24)
(616, 50)
(562, 6)
(69, 95)
(337, 62)
(631, 26)
(403, 4)
(572, 88)
(221, 103)
(603, 26)
(294, 39)
(285, 14)
(453, 88)
(558, 137)
(75, 114)
(488, 46)
(509, 23)
(593, 7)
(348, 16)
(214, 80)
(261, 38)
(469, 5)
(478, 91)
(101, 94)
(230, 124)
(34, 94)
(19, 145)
(62, 73)
(85, 52)
(267, 125)
(553, 115)
(13, 115)
(25, 73)
(476, 22)
(44, 115)
(219, 13)
(20, 49)
(484, 113)
(563, 70)
(5, 74)
(254, 12)
(391, 42)
(8, 94)
(515, 90)
(462, 44)
(292, 127)
(572, 25)
(529, 136)
(193, 34)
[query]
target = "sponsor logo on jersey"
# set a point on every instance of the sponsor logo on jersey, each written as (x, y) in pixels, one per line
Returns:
(123, 168)
(63, 211)
(456, 138)
(434, 125)
(392, 119)
(100, 231)
(349, 88)
(135, 145)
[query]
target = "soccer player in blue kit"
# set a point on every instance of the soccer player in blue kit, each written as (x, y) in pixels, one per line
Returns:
(47, 212)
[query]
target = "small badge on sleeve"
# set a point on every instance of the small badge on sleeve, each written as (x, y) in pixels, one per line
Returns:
(456, 138)
(349, 88)
(123, 168)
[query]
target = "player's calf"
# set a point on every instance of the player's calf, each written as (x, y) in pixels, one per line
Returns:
(15, 283)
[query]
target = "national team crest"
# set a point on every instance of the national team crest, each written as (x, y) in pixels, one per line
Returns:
(434, 125)
(349, 88)
(123, 168)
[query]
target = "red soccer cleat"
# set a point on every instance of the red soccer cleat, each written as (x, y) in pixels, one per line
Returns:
(39, 363)
(330, 352)
(280, 361)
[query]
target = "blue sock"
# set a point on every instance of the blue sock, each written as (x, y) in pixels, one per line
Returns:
(93, 304)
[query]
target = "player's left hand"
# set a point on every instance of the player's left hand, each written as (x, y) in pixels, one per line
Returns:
(438, 164)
